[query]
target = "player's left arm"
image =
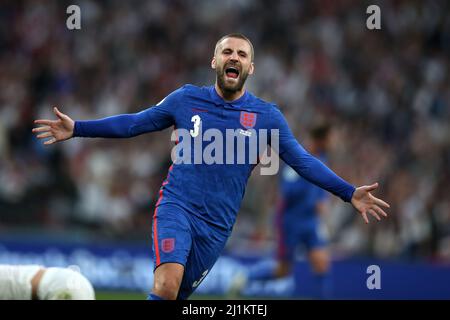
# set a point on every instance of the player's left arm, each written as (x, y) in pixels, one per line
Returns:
(315, 171)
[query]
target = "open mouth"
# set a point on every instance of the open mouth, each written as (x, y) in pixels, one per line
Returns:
(232, 72)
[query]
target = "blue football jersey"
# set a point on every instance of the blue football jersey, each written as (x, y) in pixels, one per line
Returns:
(214, 192)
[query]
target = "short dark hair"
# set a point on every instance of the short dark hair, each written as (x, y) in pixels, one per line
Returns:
(238, 36)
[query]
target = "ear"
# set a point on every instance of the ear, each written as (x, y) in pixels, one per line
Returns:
(213, 63)
(251, 69)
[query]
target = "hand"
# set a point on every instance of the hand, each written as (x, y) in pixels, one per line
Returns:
(365, 202)
(58, 130)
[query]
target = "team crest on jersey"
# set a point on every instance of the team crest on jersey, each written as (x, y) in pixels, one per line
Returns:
(248, 119)
(168, 244)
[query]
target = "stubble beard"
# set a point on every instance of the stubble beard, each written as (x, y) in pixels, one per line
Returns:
(227, 87)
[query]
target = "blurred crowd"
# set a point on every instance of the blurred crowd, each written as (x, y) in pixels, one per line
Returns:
(385, 92)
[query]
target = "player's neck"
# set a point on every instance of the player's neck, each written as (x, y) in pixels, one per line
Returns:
(229, 96)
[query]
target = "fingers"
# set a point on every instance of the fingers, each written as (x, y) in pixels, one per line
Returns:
(50, 127)
(371, 187)
(45, 122)
(364, 214)
(51, 141)
(58, 113)
(373, 213)
(380, 202)
(41, 129)
(379, 211)
(44, 135)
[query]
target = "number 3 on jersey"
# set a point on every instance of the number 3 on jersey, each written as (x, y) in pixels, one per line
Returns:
(197, 122)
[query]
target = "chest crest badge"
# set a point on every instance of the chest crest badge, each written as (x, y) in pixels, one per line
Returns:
(248, 119)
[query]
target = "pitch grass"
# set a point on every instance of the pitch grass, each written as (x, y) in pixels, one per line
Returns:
(123, 295)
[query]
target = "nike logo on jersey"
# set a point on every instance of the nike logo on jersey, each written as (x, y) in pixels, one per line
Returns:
(245, 132)
(199, 110)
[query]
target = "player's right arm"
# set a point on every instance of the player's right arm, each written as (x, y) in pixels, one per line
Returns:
(155, 118)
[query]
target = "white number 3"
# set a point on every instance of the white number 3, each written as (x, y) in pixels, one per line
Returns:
(197, 121)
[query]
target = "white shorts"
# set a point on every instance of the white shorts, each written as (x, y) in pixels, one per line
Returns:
(15, 281)
(64, 284)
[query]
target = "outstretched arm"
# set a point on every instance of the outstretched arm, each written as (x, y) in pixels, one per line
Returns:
(120, 126)
(313, 170)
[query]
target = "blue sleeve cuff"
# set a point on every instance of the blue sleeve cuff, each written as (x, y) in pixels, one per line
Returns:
(76, 129)
(349, 194)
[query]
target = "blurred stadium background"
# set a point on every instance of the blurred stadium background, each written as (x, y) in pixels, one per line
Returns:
(90, 202)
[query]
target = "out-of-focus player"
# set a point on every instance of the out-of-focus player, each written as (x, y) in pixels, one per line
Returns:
(298, 223)
(33, 282)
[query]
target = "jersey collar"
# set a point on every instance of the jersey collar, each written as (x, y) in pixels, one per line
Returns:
(240, 104)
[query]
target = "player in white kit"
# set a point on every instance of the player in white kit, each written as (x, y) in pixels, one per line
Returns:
(34, 282)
